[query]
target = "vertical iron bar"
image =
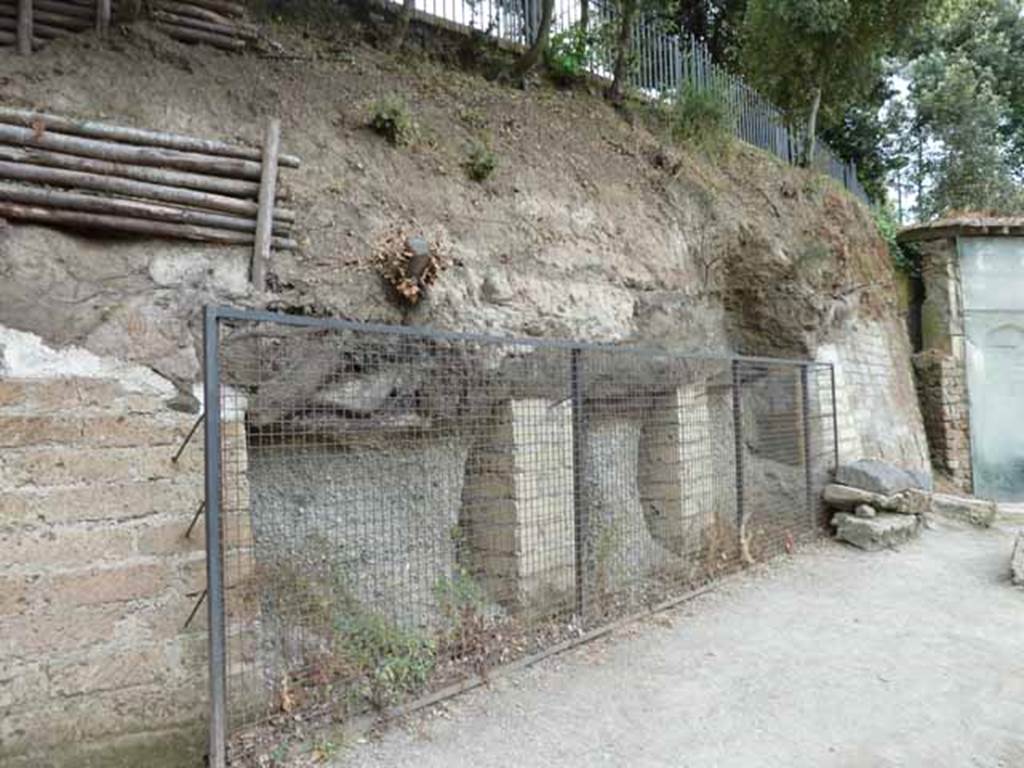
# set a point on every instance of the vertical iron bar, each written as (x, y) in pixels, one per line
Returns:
(214, 564)
(579, 506)
(835, 418)
(805, 410)
(737, 428)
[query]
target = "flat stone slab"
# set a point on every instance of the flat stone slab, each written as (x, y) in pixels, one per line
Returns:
(880, 477)
(974, 511)
(885, 531)
(1017, 561)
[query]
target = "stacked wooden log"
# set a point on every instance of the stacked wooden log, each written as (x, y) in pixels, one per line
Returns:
(88, 175)
(31, 23)
(48, 19)
(215, 22)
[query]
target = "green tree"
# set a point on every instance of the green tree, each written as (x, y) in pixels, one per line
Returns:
(821, 56)
(966, 109)
(716, 23)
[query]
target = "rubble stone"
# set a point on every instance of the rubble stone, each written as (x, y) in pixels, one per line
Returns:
(879, 477)
(885, 531)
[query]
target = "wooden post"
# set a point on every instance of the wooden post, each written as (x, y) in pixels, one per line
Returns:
(24, 27)
(102, 17)
(265, 214)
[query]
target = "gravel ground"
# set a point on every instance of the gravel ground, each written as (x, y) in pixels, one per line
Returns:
(832, 657)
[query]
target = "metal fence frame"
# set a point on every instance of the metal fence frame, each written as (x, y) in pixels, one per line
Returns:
(214, 316)
(664, 65)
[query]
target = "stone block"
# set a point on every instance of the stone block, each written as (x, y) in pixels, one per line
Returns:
(42, 467)
(47, 546)
(57, 631)
(885, 531)
(1017, 561)
(108, 669)
(107, 585)
(879, 477)
(116, 501)
(974, 511)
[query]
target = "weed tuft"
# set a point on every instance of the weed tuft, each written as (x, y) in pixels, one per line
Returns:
(481, 162)
(391, 118)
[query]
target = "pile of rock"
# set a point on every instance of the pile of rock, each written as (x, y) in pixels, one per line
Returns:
(878, 505)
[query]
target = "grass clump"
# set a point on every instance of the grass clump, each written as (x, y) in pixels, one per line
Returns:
(481, 162)
(391, 118)
(701, 118)
(389, 661)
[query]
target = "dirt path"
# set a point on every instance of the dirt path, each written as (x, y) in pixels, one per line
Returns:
(831, 658)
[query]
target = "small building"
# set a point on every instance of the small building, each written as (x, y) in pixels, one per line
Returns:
(967, 327)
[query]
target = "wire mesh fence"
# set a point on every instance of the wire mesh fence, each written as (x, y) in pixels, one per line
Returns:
(391, 510)
(664, 65)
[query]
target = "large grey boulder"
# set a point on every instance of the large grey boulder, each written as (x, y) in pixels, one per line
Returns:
(885, 531)
(880, 477)
(1017, 561)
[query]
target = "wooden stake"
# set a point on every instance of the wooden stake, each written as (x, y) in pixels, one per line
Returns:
(24, 27)
(102, 17)
(265, 216)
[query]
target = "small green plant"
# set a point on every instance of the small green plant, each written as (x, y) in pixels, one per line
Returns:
(458, 594)
(323, 749)
(481, 162)
(903, 257)
(390, 117)
(701, 117)
(390, 661)
(566, 54)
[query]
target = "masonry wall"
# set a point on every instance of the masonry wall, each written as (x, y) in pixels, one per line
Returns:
(97, 577)
(873, 382)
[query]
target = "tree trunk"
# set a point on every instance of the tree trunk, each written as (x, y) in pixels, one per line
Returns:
(402, 24)
(811, 139)
(624, 47)
(585, 15)
(532, 56)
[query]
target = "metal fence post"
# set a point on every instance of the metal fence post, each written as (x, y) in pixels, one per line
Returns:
(805, 410)
(835, 418)
(737, 428)
(580, 516)
(214, 564)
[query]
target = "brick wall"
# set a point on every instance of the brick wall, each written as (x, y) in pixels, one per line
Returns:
(96, 576)
(942, 387)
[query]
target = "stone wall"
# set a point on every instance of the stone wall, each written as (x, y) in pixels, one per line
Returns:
(97, 577)
(942, 387)
(874, 382)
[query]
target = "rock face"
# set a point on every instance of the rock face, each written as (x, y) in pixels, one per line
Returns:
(1017, 561)
(880, 477)
(885, 531)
